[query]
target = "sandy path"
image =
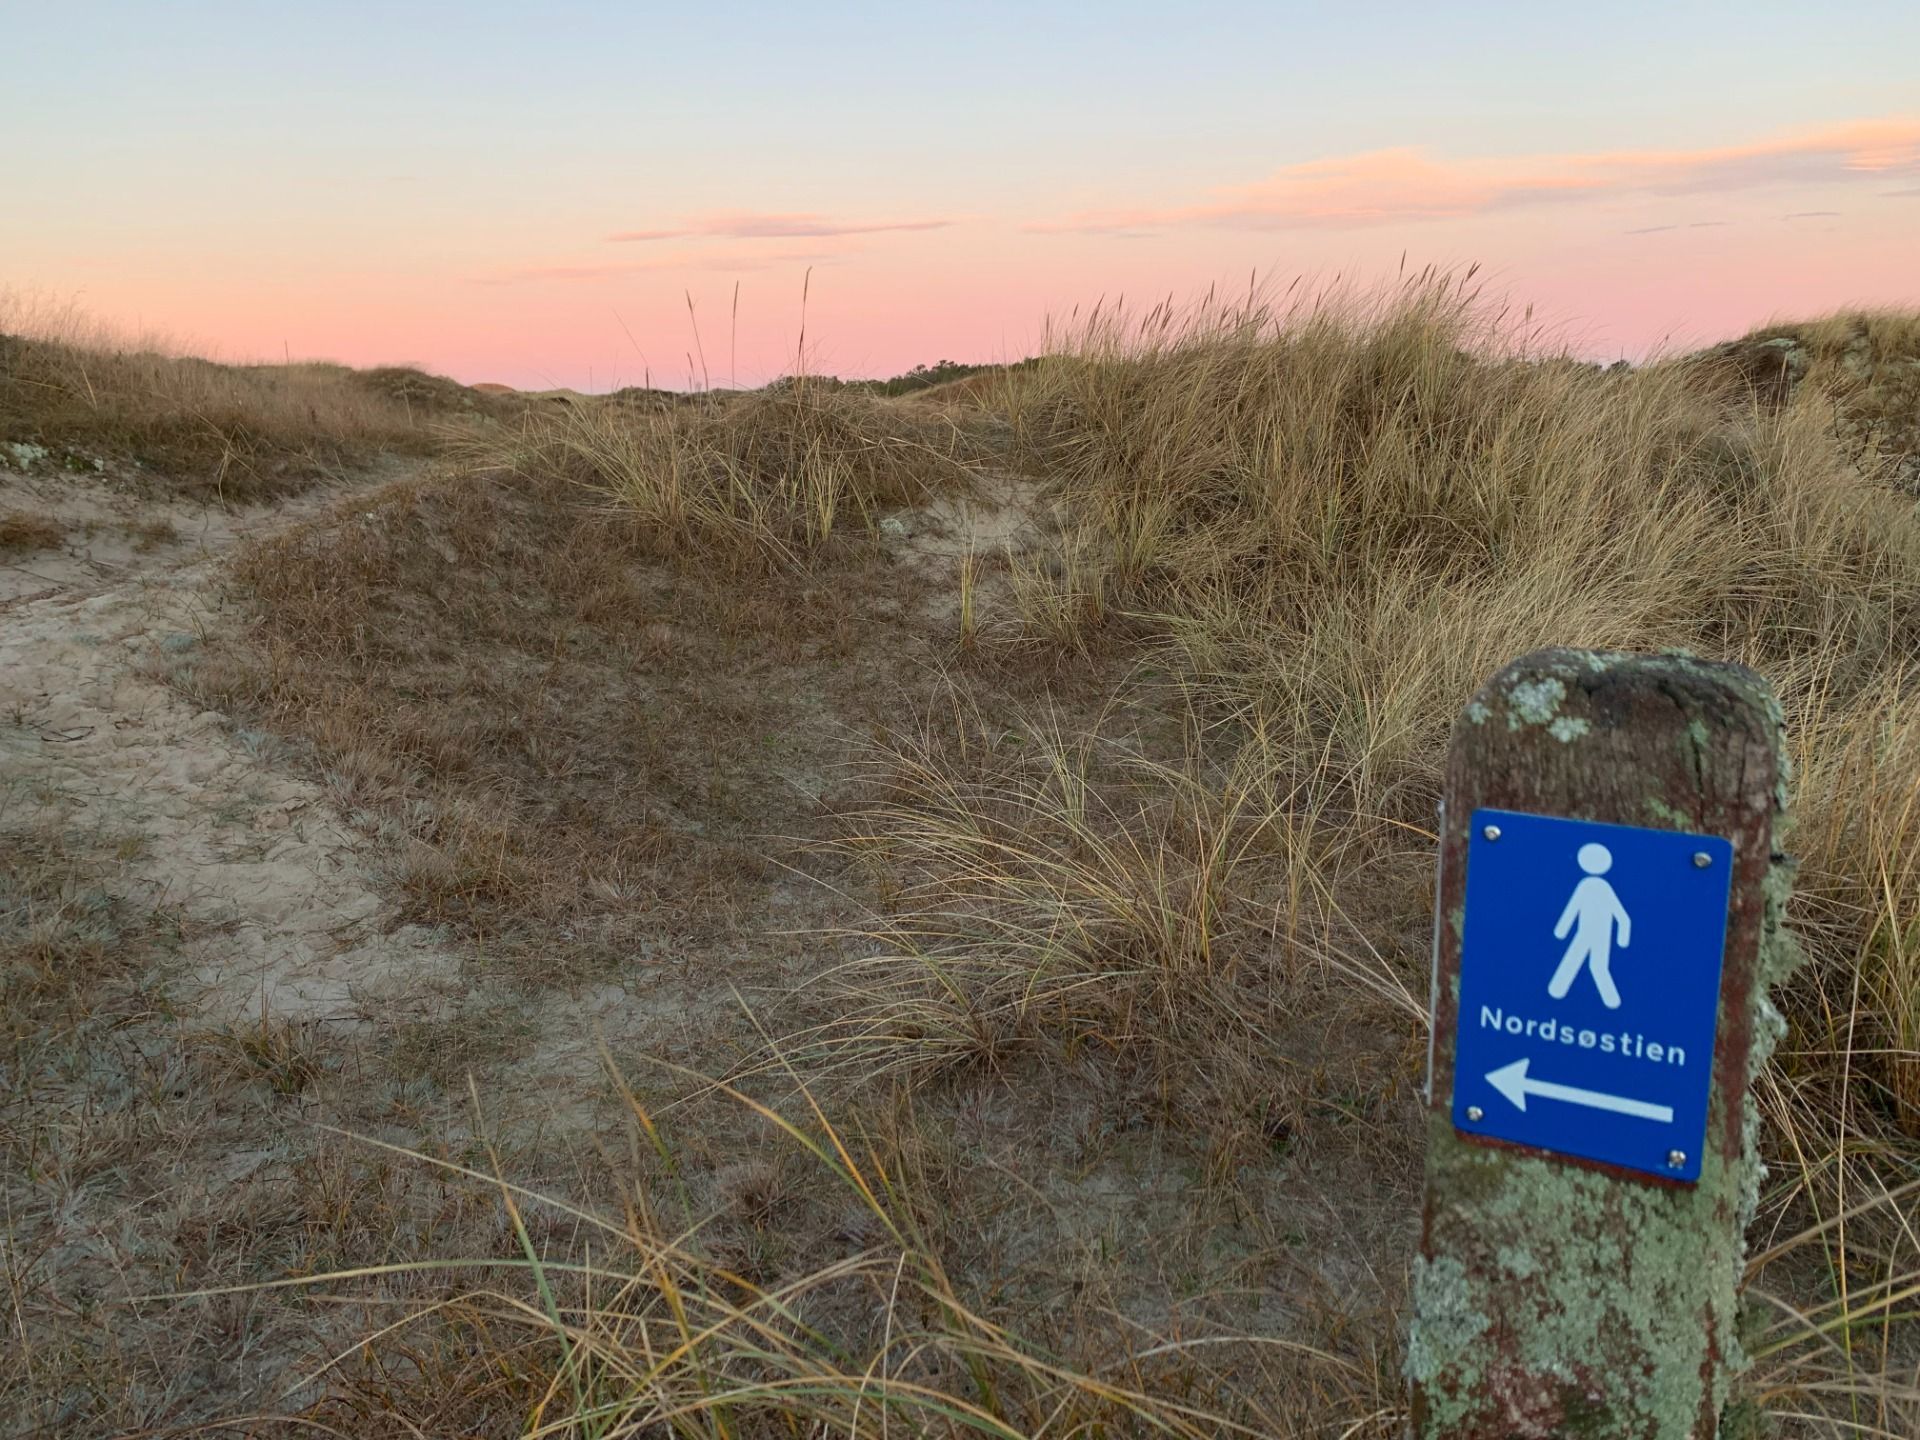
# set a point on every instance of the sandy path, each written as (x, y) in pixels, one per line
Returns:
(287, 901)
(281, 894)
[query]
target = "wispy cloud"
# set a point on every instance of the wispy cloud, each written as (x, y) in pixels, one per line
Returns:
(1409, 184)
(1690, 225)
(727, 262)
(747, 225)
(1811, 215)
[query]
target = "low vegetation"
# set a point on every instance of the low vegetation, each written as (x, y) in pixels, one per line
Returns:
(24, 530)
(782, 472)
(1024, 947)
(1868, 363)
(107, 1105)
(942, 373)
(81, 397)
(1336, 515)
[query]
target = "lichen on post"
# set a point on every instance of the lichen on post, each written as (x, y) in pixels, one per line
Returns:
(1555, 1296)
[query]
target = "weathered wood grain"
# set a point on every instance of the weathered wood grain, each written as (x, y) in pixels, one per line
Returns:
(1554, 1297)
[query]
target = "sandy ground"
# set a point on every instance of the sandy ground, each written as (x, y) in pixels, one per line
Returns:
(282, 892)
(290, 918)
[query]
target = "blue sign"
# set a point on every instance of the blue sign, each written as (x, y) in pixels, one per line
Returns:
(1590, 988)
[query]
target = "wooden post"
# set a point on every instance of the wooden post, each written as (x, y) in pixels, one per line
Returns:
(1556, 1295)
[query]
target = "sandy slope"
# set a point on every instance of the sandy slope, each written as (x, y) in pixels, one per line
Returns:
(290, 918)
(282, 891)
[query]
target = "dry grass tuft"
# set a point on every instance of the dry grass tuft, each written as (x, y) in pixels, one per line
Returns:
(66, 940)
(1182, 919)
(1868, 363)
(1888, 334)
(140, 1155)
(1345, 515)
(642, 1326)
(20, 530)
(1339, 516)
(588, 683)
(772, 476)
(470, 658)
(547, 721)
(234, 433)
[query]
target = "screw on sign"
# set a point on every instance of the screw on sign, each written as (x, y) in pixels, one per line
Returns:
(1607, 930)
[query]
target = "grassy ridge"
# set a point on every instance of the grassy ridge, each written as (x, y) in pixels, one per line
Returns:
(90, 396)
(780, 472)
(1322, 526)
(1329, 522)
(1344, 516)
(1155, 837)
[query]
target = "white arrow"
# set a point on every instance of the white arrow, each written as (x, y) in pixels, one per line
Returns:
(1512, 1082)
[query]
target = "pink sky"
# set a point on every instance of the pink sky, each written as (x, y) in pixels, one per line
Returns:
(518, 204)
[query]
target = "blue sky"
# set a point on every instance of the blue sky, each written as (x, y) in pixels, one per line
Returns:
(364, 177)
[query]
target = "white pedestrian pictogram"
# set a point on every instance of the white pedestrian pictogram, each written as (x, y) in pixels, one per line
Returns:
(1592, 913)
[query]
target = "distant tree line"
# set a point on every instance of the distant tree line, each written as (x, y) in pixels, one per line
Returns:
(922, 377)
